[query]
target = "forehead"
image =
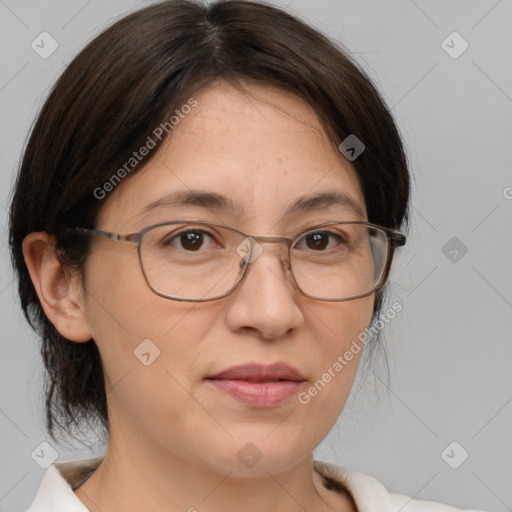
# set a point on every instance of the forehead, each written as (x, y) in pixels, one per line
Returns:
(260, 148)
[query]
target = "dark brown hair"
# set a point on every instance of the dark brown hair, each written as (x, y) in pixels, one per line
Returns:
(129, 80)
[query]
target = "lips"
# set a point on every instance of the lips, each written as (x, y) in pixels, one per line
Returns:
(257, 385)
(261, 373)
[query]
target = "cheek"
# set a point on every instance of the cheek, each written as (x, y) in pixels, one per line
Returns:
(340, 344)
(139, 334)
(133, 327)
(149, 346)
(340, 323)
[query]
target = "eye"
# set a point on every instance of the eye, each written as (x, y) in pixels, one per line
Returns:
(189, 240)
(321, 241)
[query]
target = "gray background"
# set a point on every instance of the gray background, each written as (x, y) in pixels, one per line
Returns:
(450, 348)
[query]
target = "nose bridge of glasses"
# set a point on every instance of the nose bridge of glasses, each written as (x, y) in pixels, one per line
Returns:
(272, 240)
(253, 246)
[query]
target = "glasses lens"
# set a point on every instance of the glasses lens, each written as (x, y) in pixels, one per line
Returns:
(340, 261)
(191, 261)
(198, 261)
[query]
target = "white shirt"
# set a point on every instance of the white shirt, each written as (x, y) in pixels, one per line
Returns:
(55, 493)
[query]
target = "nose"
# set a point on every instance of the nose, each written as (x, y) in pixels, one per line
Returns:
(266, 300)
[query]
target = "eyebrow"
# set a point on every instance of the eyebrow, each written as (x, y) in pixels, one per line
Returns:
(215, 201)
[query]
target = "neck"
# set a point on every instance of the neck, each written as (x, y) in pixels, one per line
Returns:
(134, 480)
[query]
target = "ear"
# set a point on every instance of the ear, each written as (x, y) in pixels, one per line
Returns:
(58, 293)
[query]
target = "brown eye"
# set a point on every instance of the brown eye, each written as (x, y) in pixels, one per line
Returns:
(320, 240)
(190, 240)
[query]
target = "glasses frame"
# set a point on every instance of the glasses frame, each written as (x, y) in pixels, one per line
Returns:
(395, 239)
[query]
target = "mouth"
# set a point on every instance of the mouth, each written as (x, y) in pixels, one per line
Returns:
(259, 385)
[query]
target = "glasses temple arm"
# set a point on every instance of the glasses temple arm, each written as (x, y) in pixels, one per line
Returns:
(132, 237)
(397, 239)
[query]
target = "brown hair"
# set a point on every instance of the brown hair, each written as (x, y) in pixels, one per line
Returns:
(129, 80)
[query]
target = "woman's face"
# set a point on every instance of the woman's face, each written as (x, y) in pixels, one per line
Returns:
(263, 154)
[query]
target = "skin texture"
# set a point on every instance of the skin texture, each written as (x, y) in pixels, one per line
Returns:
(173, 438)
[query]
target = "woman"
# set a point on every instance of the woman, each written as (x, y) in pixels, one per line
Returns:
(203, 223)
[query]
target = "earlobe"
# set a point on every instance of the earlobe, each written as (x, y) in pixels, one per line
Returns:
(56, 291)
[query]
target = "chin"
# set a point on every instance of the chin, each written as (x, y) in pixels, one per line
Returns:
(258, 455)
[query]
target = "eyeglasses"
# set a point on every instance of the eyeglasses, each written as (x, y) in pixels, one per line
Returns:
(202, 261)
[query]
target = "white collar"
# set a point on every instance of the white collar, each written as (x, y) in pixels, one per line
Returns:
(55, 493)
